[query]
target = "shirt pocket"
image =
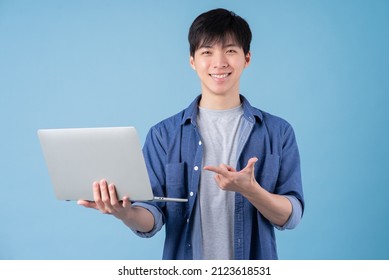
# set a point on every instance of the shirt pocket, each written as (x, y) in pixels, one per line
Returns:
(176, 187)
(266, 171)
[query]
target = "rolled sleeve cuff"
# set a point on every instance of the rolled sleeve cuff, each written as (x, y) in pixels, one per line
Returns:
(295, 217)
(158, 219)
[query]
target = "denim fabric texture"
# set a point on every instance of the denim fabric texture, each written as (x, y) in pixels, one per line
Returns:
(173, 154)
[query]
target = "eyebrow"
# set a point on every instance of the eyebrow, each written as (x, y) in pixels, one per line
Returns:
(231, 45)
(224, 46)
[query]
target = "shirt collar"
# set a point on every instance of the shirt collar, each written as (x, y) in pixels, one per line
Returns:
(250, 113)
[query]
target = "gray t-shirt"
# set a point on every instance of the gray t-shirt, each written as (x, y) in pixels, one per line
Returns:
(219, 132)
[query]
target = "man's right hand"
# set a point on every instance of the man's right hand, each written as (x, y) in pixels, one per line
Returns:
(107, 202)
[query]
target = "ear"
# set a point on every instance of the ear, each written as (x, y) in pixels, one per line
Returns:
(192, 62)
(248, 59)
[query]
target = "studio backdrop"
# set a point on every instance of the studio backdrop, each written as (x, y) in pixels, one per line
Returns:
(321, 65)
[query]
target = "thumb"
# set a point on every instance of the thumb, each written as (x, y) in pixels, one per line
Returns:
(251, 162)
(250, 165)
(126, 202)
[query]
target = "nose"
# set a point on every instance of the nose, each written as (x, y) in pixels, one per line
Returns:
(220, 61)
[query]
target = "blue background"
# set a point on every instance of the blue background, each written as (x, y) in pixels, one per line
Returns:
(322, 65)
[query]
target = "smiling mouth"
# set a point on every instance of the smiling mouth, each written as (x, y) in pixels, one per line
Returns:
(220, 76)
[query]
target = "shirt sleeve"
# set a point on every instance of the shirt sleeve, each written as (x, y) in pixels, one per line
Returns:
(155, 157)
(158, 219)
(295, 216)
(289, 181)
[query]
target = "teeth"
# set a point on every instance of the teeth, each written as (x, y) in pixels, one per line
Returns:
(219, 76)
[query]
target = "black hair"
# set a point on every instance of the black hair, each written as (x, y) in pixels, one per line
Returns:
(219, 25)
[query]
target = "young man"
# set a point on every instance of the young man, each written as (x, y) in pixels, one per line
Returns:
(238, 166)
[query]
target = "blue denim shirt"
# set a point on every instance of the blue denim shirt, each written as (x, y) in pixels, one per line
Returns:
(173, 154)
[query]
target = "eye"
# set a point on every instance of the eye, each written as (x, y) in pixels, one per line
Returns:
(206, 52)
(231, 51)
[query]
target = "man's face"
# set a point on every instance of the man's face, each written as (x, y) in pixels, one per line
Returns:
(219, 67)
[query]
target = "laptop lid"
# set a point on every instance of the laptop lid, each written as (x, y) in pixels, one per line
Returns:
(77, 157)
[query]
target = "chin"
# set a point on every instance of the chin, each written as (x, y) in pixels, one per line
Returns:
(222, 92)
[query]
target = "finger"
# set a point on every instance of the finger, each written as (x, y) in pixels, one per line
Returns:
(231, 169)
(251, 163)
(113, 197)
(220, 181)
(227, 167)
(97, 196)
(218, 170)
(105, 196)
(87, 204)
(252, 160)
(218, 178)
(126, 202)
(104, 192)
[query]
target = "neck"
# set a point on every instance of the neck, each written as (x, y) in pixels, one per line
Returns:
(219, 102)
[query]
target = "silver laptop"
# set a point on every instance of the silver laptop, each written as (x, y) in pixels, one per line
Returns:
(76, 157)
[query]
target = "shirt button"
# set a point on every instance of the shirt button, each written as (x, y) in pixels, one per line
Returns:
(196, 168)
(191, 193)
(200, 143)
(187, 221)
